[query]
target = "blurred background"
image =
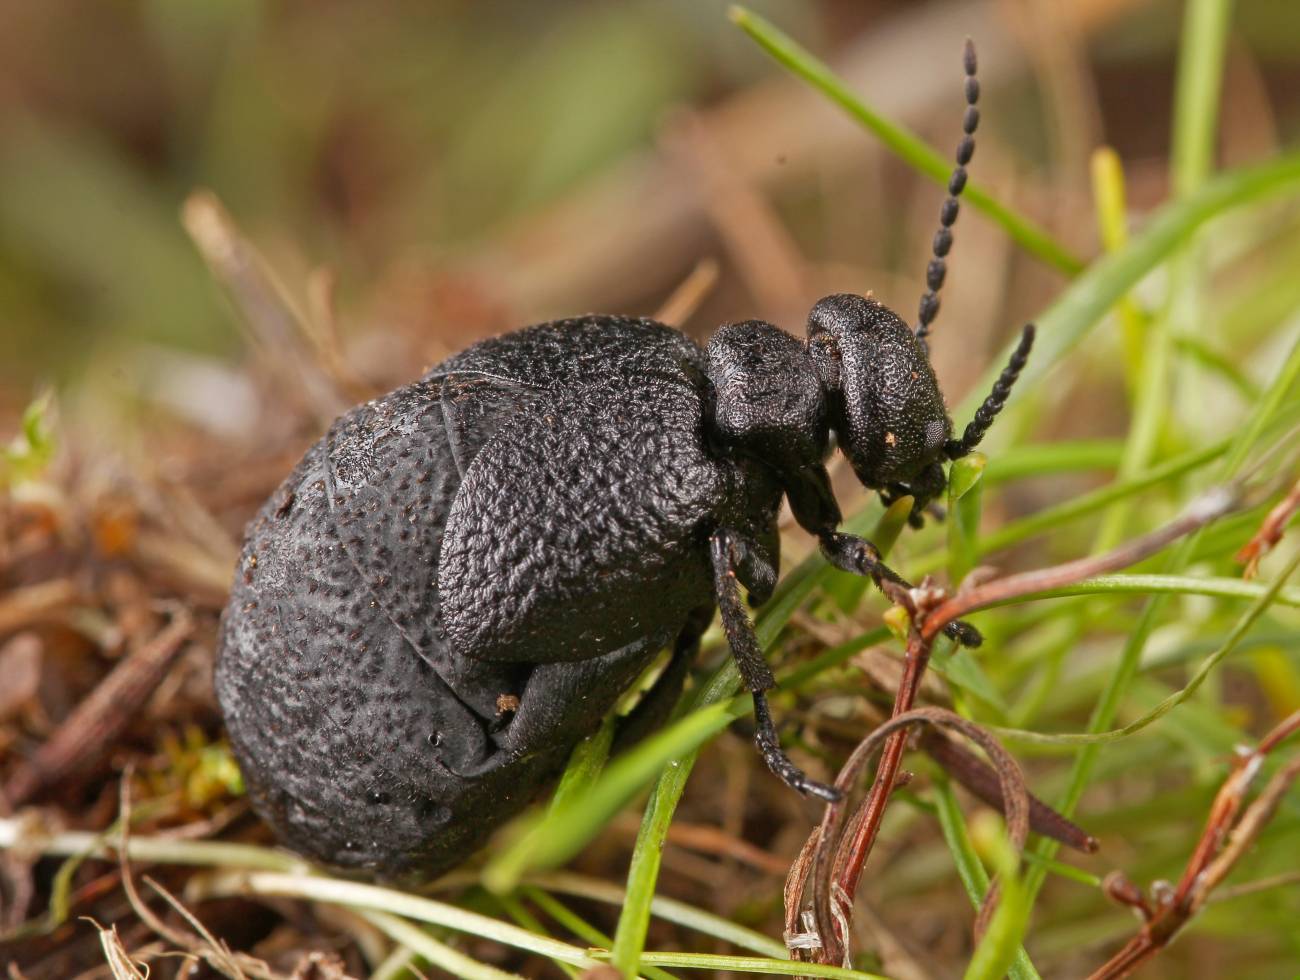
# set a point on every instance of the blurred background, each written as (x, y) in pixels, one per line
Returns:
(223, 223)
(460, 168)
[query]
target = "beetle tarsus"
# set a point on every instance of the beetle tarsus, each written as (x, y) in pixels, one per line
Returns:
(858, 556)
(769, 745)
(964, 633)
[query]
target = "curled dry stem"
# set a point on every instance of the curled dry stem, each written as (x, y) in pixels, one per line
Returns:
(965, 767)
(981, 780)
(824, 856)
(931, 610)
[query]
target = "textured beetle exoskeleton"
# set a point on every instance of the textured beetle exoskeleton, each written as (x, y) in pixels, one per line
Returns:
(460, 580)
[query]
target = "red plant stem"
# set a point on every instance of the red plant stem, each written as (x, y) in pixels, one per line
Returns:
(891, 757)
(1211, 861)
(1227, 804)
(1136, 951)
(1283, 730)
(1270, 531)
(1209, 507)
(1223, 812)
(1202, 511)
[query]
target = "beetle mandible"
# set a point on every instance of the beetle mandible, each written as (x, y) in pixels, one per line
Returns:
(462, 577)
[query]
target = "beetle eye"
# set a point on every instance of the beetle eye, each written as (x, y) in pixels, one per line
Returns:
(936, 431)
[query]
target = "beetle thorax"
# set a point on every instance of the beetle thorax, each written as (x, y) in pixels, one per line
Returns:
(767, 400)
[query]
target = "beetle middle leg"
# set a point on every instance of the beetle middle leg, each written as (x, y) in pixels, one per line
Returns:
(725, 549)
(858, 556)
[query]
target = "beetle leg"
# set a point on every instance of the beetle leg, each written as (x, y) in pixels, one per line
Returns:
(754, 671)
(769, 744)
(858, 556)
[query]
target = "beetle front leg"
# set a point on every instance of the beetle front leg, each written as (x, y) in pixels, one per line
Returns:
(858, 556)
(724, 550)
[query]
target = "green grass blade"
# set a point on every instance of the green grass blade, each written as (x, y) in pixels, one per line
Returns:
(1279, 390)
(670, 910)
(564, 831)
(1000, 947)
(15, 833)
(374, 898)
(524, 917)
(965, 492)
(585, 766)
(1107, 707)
(1112, 219)
(969, 867)
(1248, 619)
(643, 874)
(754, 964)
(1051, 518)
(581, 928)
(1215, 587)
(1046, 458)
(1196, 349)
(796, 678)
(438, 953)
(918, 154)
(1201, 57)
(1090, 296)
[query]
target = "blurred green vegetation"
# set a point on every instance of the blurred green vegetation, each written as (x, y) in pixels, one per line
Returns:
(350, 133)
(370, 136)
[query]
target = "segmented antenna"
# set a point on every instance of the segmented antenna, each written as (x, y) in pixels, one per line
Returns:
(984, 416)
(934, 272)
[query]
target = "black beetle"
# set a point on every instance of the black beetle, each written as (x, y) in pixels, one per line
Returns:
(458, 582)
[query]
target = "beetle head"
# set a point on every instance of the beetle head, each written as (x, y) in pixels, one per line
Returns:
(884, 400)
(874, 386)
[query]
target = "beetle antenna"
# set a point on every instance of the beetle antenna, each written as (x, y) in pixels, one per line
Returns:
(984, 416)
(935, 270)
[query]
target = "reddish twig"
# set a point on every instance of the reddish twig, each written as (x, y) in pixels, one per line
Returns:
(1270, 532)
(89, 731)
(1229, 831)
(931, 610)
(966, 768)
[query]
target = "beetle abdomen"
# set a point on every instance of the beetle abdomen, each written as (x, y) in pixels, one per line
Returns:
(351, 720)
(370, 735)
